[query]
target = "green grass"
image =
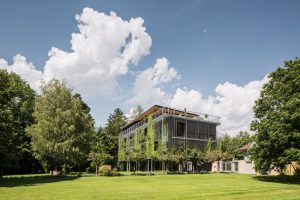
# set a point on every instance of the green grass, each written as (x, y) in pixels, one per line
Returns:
(202, 186)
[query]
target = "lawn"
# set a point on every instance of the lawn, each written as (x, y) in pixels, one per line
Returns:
(202, 186)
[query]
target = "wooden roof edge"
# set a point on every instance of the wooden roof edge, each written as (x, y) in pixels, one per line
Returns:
(143, 115)
(155, 108)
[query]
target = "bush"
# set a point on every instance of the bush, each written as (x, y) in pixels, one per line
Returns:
(105, 170)
(139, 173)
(175, 172)
(75, 174)
(90, 169)
(164, 172)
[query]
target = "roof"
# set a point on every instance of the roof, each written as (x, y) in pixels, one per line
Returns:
(155, 108)
(145, 114)
(246, 147)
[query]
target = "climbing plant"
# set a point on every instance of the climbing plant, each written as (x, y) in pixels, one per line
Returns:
(137, 141)
(121, 149)
(150, 138)
(164, 138)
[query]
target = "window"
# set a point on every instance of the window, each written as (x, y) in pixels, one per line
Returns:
(155, 145)
(180, 129)
(236, 167)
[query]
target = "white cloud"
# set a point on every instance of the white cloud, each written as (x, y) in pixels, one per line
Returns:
(104, 48)
(101, 51)
(147, 87)
(25, 69)
(232, 103)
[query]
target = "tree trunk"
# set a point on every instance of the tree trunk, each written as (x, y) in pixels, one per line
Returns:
(96, 170)
(193, 168)
(2, 172)
(151, 165)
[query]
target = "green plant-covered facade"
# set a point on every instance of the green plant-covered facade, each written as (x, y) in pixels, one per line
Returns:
(161, 128)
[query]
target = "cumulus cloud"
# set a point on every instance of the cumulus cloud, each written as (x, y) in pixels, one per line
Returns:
(104, 48)
(101, 51)
(232, 103)
(147, 86)
(25, 69)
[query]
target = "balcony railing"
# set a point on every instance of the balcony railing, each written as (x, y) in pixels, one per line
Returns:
(166, 111)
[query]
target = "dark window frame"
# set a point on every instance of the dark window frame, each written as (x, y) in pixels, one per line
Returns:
(182, 129)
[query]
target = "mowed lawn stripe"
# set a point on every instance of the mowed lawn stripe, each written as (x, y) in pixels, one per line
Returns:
(202, 186)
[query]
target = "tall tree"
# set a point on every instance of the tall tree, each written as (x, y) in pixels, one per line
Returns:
(277, 117)
(99, 151)
(16, 107)
(63, 130)
(112, 130)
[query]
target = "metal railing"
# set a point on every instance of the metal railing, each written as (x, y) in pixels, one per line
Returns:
(167, 111)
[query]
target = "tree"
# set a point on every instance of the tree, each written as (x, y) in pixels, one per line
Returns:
(239, 141)
(226, 147)
(99, 152)
(112, 130)
(138, 110)
(85, 107)
(16, 107)
(196, 157)
(63, 131)
(277, 117)
(214, 154)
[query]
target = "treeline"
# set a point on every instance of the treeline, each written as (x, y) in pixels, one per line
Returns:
(55, 131)
(51, 131)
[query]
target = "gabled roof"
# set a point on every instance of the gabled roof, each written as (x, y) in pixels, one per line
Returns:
(247, 147)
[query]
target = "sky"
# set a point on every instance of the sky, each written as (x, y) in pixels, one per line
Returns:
(207, 56)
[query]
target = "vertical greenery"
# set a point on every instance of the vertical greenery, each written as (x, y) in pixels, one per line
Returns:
(165, 134)
(137, 141)
(121, 150)
(150, 138)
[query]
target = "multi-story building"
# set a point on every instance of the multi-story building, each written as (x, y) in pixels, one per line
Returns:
(173, 127)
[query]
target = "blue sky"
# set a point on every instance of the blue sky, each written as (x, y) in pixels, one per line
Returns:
(208, 43)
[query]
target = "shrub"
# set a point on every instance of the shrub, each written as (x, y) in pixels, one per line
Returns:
(105, 170)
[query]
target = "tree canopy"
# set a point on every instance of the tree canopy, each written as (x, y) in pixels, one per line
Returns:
(16, 107)
(277, 117)
(105, 147)
(63, 130)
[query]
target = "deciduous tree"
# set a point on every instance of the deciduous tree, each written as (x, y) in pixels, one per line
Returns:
(16, 107)
(63, 130)
(277, 119)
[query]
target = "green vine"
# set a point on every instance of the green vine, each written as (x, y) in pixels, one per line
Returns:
(121, 149)
(137, 141)
(164, 138)
(150, 138)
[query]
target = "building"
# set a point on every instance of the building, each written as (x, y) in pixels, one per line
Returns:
(172, 127)
(243, 166)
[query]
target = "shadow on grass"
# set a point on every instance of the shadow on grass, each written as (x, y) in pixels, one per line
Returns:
(279, 179)
(31, 181)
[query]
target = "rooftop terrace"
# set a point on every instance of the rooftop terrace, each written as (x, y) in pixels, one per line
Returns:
(158, 112)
